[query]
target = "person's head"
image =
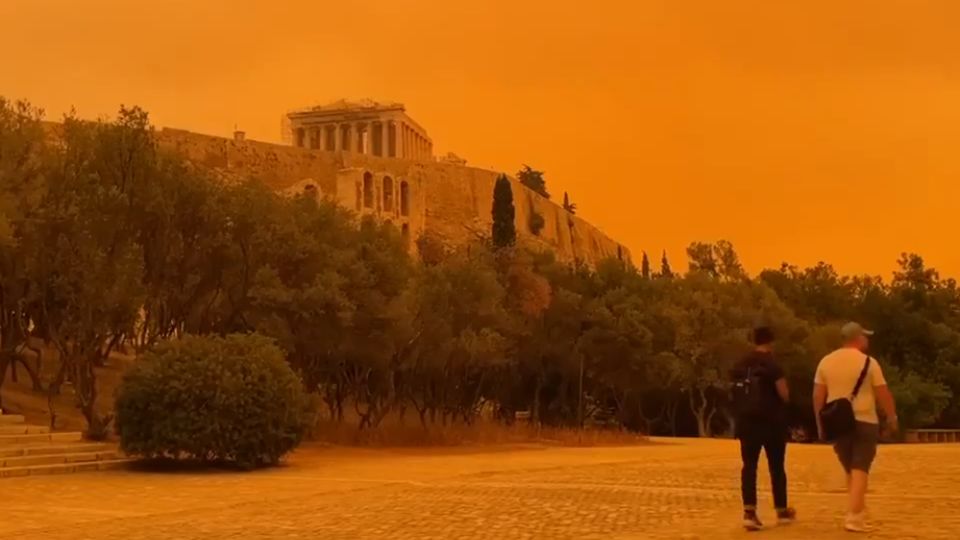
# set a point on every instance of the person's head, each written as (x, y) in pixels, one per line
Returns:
(856, 336)
(763, 336)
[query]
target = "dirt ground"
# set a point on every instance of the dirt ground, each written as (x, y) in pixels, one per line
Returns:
(685, 489)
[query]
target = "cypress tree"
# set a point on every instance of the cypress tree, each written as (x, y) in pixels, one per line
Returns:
(567, 205)
(504, 214)
(645, 266)
(665, 270)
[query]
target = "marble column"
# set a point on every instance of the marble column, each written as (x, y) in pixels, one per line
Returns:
(398, 139)
(384, 139)
(322, 137)
(385, 142)
(338, 137)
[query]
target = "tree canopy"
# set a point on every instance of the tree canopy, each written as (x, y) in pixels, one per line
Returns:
(534, 180)
(107, 241)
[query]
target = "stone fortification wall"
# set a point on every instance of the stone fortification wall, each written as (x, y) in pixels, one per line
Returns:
(449, 200)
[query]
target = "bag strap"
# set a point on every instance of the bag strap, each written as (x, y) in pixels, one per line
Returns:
(863, 375)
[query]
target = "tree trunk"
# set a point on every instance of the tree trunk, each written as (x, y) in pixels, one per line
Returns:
(4, 364)
(731, 422)
(700, 411)
(34, 371)
(85, 382)
(537, 388)
(650, 421)
(672, 407)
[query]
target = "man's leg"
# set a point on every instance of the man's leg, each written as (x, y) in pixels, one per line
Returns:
(863, 449)
(862, 452)
(750, 446)
(776, 449)
(857, 493)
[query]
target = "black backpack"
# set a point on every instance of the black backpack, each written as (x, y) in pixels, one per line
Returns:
(747, 395)
(837, 417)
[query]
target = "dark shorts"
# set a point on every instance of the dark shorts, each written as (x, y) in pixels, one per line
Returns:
(857, 450)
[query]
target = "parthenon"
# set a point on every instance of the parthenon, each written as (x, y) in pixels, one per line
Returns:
(364, 127)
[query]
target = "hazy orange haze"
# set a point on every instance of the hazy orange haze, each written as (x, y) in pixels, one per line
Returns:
(800, 131)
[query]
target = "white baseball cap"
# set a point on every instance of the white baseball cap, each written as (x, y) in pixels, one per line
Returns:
(853, 330)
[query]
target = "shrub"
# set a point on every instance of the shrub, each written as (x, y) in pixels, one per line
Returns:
(227, 399)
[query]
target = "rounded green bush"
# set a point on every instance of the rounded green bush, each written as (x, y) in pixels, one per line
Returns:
(230, 399)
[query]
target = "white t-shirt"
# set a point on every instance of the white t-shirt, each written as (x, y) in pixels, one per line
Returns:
(839, 371)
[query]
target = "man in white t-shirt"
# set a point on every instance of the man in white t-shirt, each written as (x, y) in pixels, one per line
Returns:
(836, 378)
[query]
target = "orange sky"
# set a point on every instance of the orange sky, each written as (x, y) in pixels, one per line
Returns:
(800, 131)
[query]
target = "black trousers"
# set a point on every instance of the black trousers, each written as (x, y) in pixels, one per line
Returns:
(773, 441)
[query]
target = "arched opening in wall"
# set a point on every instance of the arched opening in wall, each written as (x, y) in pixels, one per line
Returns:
(387, 194)
(367, 190)
(330, 138)
(405, 235)
(404, 199)
(300, 135)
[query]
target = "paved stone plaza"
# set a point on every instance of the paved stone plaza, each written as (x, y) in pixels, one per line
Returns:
(671, 489)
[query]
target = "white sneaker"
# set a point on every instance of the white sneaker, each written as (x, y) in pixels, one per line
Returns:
(751, 521)
(856, 523)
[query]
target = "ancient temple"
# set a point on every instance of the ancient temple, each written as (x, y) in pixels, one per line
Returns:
(363, 127)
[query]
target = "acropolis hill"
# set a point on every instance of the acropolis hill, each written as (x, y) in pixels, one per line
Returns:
(375, 159)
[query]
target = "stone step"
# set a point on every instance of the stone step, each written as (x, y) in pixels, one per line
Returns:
(64, 468)
(22, 429)
(39, 438)
(57, 459)
(7, 419)
(49, 449)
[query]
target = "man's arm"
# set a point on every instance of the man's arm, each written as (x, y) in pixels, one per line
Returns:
(883, 395)
(887, 406)
(783, 390)
(819, 400)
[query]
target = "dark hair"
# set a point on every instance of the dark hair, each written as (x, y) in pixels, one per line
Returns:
(762, 335)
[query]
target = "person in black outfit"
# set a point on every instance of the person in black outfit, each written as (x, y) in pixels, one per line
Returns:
(763, 429)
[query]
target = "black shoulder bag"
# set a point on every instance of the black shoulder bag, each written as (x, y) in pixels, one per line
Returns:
(837, 417)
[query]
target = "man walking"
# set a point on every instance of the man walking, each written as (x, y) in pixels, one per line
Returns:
(760, 396)
(837, 378)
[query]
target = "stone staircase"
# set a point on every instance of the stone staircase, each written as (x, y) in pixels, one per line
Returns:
(27, 450)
